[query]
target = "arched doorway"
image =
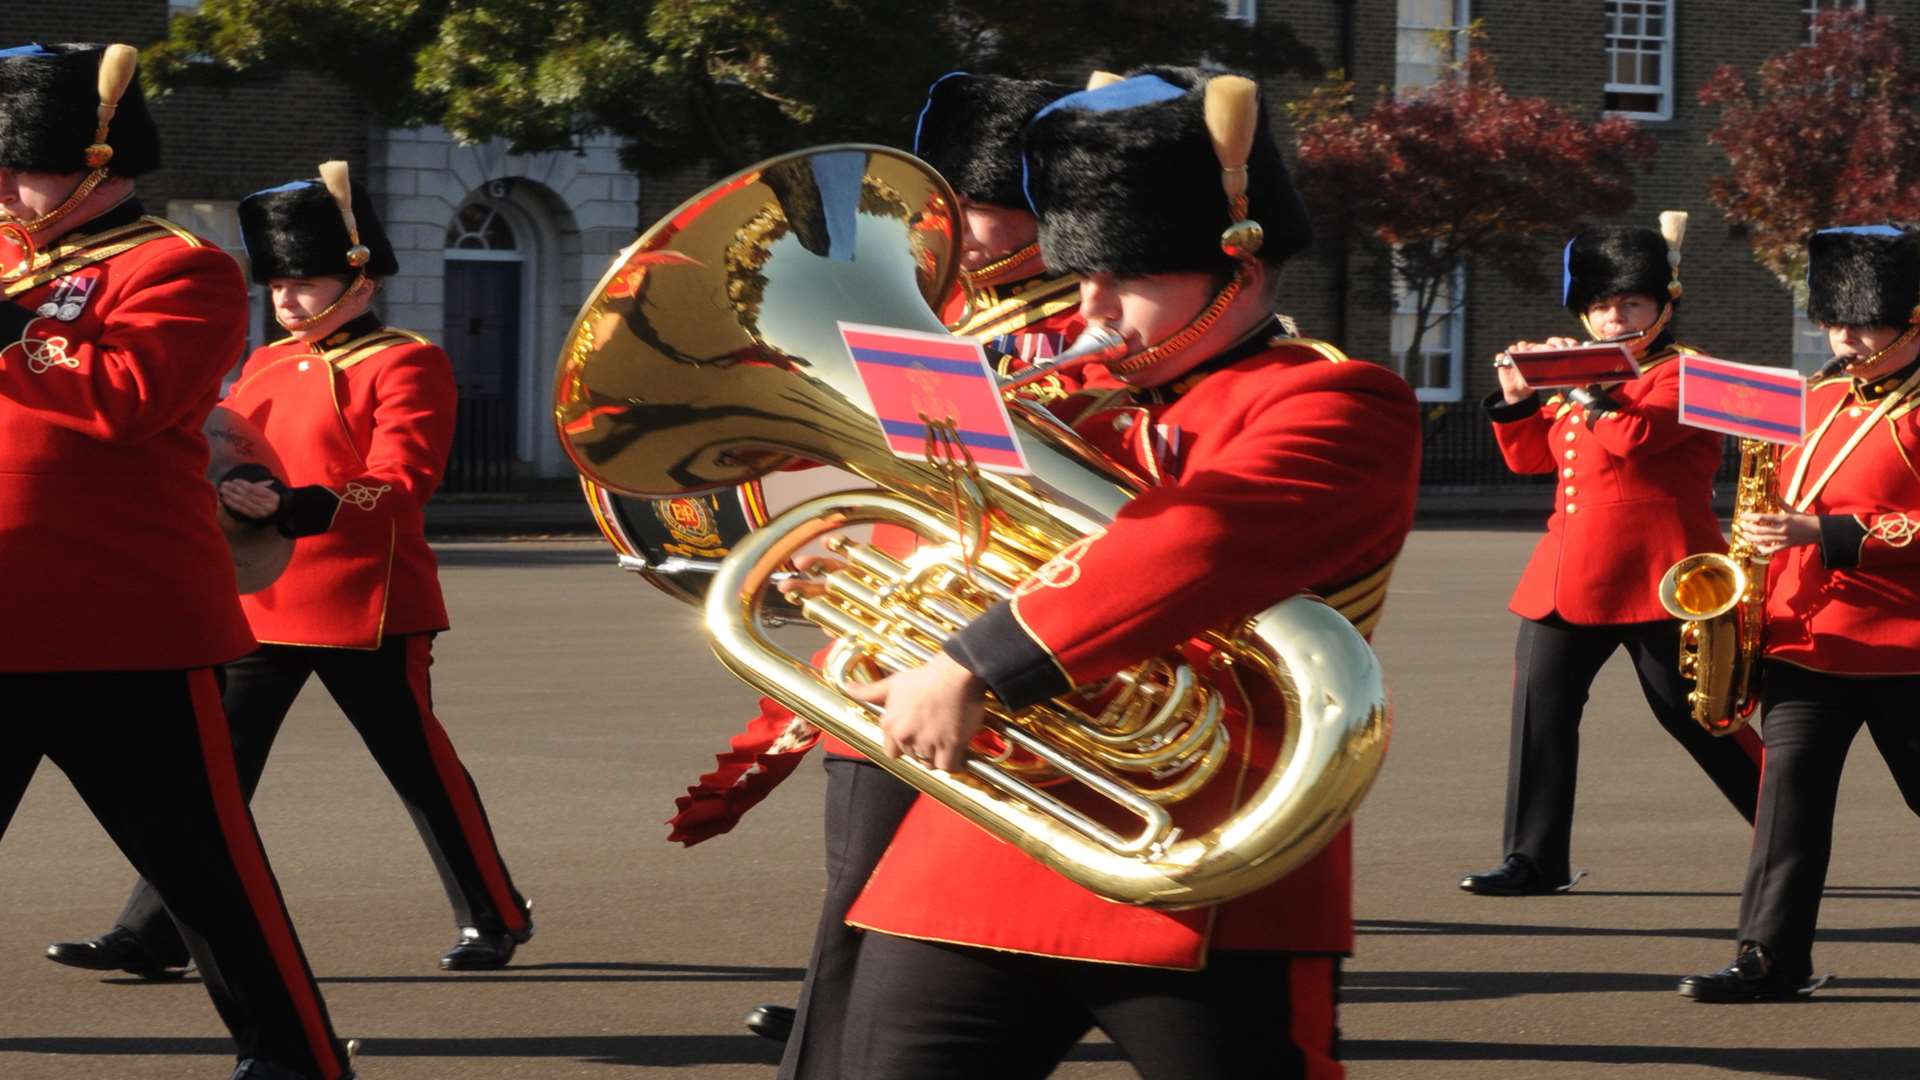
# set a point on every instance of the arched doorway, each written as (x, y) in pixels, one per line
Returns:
(486, 333)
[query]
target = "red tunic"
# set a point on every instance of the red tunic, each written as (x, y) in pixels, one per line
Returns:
(371, 419)
(1633, 494)
(1280, 472)
(1851, 605)
(112, 556)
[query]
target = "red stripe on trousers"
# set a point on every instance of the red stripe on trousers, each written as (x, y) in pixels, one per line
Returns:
(453, 777)
(1749, 741)
(1310, 989)
(250, 863)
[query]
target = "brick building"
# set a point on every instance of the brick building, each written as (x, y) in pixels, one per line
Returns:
(499, 250)
(1644, 58)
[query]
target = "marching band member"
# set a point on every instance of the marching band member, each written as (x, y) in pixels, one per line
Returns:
(1843, 605)
(362, 415)
(1282, 467)
(969, 131)
(1633, 494)
(120, 600)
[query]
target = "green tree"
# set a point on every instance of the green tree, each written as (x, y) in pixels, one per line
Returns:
(686, 82)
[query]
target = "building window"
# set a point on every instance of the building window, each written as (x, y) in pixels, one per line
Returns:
(1436, 374)
(1810, 351)
(1640, 58)
(1429, 36)
(1246, 11)
(1810, 8)
(480, 227)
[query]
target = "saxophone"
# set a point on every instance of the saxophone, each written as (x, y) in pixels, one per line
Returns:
(1721, 602)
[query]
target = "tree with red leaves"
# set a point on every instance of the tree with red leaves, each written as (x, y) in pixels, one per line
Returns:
(1462, 170)
(1825, 134)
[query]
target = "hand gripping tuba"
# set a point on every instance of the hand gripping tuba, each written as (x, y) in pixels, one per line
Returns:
(709, 355)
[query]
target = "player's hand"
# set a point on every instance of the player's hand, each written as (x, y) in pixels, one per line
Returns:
(1771, 533)
(250, 500)
(930, 712)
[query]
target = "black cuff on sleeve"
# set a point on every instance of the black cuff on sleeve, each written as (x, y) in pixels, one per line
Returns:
(1841, 536)
(999, 650)
(259, 474)
(13, 323)
(1500, 412)
(308, 511)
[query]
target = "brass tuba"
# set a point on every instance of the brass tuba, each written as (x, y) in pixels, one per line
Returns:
(1721, 603)
(710, 355)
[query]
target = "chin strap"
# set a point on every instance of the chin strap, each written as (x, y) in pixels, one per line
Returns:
(976, 280)
(299, 323)
(1186, 336)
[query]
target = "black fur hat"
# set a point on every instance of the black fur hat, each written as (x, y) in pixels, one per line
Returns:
(1125, 180)
(969, 131)
(1863, 276)
(295, 230)
(49, 109)
(1612, 260)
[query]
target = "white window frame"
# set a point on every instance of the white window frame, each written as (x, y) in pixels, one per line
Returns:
(1403, 25)
(1809, 349)
(1242, 11)
(1452, 329)
(1664, 89)
(1811, 8)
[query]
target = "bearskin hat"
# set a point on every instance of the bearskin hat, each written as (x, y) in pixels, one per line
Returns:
(49, 110)
(1863, 276)
(1612, 260)
(295, 230)
(1125, 180)
(969, 131)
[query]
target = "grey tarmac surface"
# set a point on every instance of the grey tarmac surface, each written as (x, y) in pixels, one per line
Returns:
(583, 702)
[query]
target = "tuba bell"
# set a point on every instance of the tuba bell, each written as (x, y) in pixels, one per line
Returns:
(710, 355)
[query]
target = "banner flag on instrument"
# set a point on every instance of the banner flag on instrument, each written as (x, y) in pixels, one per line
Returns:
(1584, 365)
(1747, 400)
(915, 378)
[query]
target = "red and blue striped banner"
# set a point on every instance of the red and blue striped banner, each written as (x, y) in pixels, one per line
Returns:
(1747, 400)
(913, 377)
(1583, 365)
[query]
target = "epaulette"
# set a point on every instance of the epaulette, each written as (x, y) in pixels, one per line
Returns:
(366, 345)
(1327, 350)
(95, 248)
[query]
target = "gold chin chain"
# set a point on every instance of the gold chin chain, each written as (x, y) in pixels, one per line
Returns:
(21, 232)
(1852, 366)
(978, 279)
(297, 325)
(73, 202)
(1194, 331)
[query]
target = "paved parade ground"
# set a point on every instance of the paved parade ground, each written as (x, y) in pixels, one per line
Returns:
(583, 701)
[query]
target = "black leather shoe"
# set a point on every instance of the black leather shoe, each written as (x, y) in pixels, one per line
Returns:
(1515, 877)
(119, 949)
(771, 1022)
(480, 950)
(1751, 977)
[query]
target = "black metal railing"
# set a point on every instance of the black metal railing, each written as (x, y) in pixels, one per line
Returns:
(482, 456)
(1460, 452)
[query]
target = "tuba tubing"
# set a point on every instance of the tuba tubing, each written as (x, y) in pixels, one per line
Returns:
(710, 355)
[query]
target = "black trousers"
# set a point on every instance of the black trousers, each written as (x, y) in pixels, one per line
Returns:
(1555, 663)
(1810, 721)
(150, 754)
(927, 1011)
(864, 807)
(385, 694)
